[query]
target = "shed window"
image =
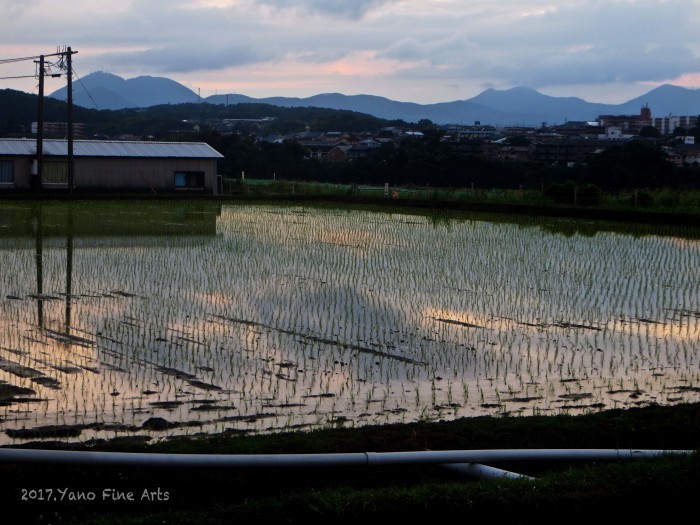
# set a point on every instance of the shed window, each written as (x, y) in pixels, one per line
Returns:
(7, 171)
(189, 179)
(55, 173)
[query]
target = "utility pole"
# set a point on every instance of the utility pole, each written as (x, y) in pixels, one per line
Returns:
(40, 129)
(69, 73)
(37, 177)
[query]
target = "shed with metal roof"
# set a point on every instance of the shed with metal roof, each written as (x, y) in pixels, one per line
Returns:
(110, 166)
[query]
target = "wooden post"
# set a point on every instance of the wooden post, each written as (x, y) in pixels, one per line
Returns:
(69, 87)
(40, 129)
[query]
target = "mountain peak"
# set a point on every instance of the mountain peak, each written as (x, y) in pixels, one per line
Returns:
(520, 105)
(108, 91)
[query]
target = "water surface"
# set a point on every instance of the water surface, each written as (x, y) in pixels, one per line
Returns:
(258, 318)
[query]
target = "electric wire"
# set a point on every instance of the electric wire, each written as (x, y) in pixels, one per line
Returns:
(21, 59)
(86, 89)
(19, 76)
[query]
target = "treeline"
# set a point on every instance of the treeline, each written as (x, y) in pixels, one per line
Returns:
(19, 109)
(635, 164)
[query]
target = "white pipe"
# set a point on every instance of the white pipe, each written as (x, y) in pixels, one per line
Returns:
(10, 455)
(477, 470)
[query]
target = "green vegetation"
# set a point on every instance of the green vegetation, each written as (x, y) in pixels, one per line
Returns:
(18, 109)
(578, 492)
(632, 175)
(631, 204)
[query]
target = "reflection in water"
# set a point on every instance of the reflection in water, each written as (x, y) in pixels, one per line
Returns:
(39, 236)
(258, 318)
(69, 269)
(37, 225)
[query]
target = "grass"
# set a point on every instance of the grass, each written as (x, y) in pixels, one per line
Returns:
(665, 200)
(604, 491)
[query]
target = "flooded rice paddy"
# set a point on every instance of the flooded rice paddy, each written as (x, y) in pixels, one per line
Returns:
(124, 319)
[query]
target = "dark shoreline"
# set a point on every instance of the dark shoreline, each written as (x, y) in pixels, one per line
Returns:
(600, 490)
(583, 213)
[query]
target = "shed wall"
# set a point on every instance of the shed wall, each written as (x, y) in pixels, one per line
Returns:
(22, 168)
(140, 174)
(130, 174)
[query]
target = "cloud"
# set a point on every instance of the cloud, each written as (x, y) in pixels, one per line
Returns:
(354, 9)
(323, 56)
(451, 49)
(603, 65)
(12, 8)
(386, 45)
(574, 42)
(173, 59)
(187, 36)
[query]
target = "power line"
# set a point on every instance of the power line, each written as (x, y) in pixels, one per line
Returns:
(20, 76)
(85, 89)
(36, 57)
(21, 59)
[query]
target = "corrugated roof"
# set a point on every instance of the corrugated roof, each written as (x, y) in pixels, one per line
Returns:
(111, 148)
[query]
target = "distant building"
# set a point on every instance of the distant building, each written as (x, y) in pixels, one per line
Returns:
(339, 153)
(461, 134)
(111, 166)
(564, 151)
(684, 154)
(628, 124)
(582, 129)
(364, 148)
(320, 149)
(667, 125)
(514, 153)
(614, 133)
(58, 130)
(335, 136)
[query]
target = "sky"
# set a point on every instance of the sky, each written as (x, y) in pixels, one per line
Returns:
(421, 51)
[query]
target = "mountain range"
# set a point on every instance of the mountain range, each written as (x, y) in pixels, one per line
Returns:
(517, 106)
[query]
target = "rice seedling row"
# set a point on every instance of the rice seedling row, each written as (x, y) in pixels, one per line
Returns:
(292, 318)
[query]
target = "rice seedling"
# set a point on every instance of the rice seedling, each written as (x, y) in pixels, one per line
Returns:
(366, 310)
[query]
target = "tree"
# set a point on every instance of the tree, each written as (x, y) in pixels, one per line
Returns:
(680, 132)
(634, 164)
(561, 192)
(519, 140)
(649, 132)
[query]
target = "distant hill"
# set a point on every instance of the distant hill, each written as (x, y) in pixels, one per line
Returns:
(516, 106)
(532, 107)
(18, 110)
(106, 91)
(373, 105)
(668, 100)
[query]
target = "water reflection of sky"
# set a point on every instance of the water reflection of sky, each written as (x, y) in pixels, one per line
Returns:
(275, 318)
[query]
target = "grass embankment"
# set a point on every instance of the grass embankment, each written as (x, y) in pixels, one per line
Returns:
(563, 491)
(665, 206)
